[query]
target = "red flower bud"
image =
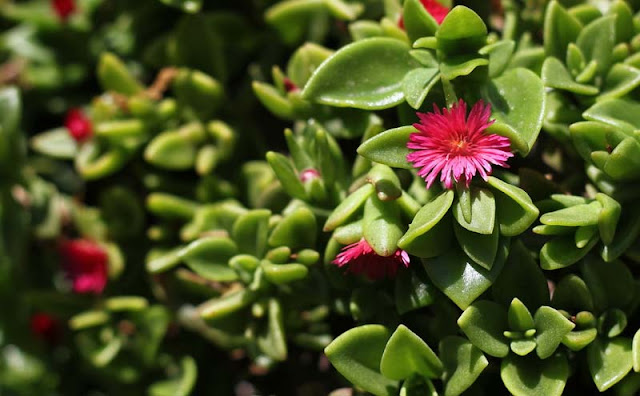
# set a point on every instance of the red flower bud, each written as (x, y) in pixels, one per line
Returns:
(45, 327)
(85, 264)
(63, 8)
(79, 125)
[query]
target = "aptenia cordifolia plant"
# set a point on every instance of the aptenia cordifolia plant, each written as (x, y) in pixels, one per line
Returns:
(453, 208)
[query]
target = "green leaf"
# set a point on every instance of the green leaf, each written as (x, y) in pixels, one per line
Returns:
(483, 212)
(190, 6)
(114, 76)
(560, 29)
(297, 230)
(572, 294)
(417, 84)
(462, 31)
(305, 61)
(555, 75)
(413, 290)
(272, 341)
(462, 280)
(208, 257)
(357, 353)
(482, 249)
(366, 74)
(522, 347)
(500, 54)
(515, 210)
(283, 273)
(417, 21)
(574, 216)
(521, 278)
(389, 147)
(562, 252)
(636, 351)
(386, 182)
(620, 81)
(406, 355)
(181, 385)
(519, 317)
(463, 364)
(94, 164)
(227, 304)
(611, 284)
(608, 217)
(551, 327)
(427, 217)
(460, 65)
(197, 93)
(197, 46)
(273, 100)
(171, 150)
(484, 323)
(517, 100)
(56, 143)
(620, 113)
(596, 41)
(609, 361)
(529, 376)
(348, 207)
(382, 226)
(250, 232)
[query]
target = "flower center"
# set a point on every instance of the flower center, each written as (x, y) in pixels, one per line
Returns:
(460, 146)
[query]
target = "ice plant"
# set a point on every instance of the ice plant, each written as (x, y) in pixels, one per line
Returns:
(308, 175)
(63, 8)
(360, 258)
(79, 125)
(289, 85)
(45, 326)
(455, 146)
(433, 7)
(85, 264)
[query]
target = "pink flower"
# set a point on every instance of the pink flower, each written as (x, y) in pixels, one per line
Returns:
(456, 147)
(85, 264)
(79, 125)
(45, 326)
(362, 259)
(433, 7)
(308, 175)
(63, 8)
(289, 85)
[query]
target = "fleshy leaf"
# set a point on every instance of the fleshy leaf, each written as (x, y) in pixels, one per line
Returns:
(357, 353)
(366, 74)
(406, 355)
(551, 327)
(463, 364)
(609, 361)
(484, 323)
(530, 376)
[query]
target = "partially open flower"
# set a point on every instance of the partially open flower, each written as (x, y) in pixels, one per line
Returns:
(309, 174)
(433, 7)
(63, 8)
(86, 265)
(456, 147)
(360, 258)
(45, 326)
(79, 125)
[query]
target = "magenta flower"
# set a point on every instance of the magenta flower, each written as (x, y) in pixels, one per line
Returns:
(78, 125)
(86, 265)
(64, 8)
(456, 147)
(362, 259)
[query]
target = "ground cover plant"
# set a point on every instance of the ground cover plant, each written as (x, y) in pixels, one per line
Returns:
(319, 197)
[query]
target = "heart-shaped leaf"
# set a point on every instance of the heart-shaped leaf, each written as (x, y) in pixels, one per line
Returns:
(484, 323)
(406, 355)
(366, 75)
(357, 353)
(530, 376)
(463, 364)
(609, 361)
(551, 327)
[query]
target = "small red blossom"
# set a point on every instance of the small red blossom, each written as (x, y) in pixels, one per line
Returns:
(63, 8)
(79, 125)
(85, 264)
(308, 174)
(45, 327)
(456, 147)
(362, 259)
(433, 7)
(289, 85)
